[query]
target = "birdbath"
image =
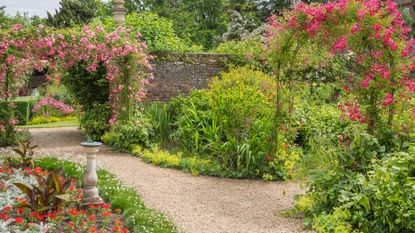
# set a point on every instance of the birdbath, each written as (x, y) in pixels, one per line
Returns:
(91, 193)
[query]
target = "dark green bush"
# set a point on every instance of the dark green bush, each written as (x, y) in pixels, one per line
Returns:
(22, 110)
(87, 88)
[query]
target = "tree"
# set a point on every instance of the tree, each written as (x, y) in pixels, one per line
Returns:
(74, 12)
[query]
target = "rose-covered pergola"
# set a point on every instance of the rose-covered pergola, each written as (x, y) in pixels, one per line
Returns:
(24, 49)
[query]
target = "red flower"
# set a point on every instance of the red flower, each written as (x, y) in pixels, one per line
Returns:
(20, 210)
(91, 217)
(18, 220)
(106, 214)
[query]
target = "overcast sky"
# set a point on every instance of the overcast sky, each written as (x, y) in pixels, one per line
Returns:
(33, 7)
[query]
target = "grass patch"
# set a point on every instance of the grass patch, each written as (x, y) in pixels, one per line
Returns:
(137, 217)
(68, 123)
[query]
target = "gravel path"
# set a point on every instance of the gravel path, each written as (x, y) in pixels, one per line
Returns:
(195, 204)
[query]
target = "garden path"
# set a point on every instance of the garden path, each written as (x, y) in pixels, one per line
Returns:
(194, 204)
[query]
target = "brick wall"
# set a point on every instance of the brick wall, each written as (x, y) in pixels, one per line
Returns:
(180, 73)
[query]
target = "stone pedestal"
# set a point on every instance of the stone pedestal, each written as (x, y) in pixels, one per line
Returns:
(90, 180)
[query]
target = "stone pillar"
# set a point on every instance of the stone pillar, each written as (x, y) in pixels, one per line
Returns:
(119, 12)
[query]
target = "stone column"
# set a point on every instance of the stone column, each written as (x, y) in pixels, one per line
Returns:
(119, 12)
(90, 180)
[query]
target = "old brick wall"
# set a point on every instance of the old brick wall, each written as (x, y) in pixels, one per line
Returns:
(176, 73)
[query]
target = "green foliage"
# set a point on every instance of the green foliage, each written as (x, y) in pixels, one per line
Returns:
(160, 116)
(247, 52)
(59, 92)
(25, 153)
(8, 134)
(380, 200)
(43, 120)
(126, 134)
(94, 122)
(157, 32)
(50, 193)
(232, 123)
(22, 110)
(201, 20)
(87, 88)
(137, 216)
(192, 164)
(73, 12)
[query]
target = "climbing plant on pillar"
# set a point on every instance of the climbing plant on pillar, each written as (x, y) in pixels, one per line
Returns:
(372, 39)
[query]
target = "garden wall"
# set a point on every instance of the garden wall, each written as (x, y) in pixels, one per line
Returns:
(176, 73)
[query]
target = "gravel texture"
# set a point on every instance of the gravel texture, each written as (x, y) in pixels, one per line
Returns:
(194, 204)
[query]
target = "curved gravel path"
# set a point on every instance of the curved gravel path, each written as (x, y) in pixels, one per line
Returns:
(194, 204)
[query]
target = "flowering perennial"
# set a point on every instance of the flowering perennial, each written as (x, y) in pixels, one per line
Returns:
(54, 104)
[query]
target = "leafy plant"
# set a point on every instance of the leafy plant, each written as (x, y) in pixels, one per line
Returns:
(25, 152)
(94, 121)
(126, 134)
(49, 194)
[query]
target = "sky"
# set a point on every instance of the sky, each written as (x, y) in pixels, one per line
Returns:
(33, 7)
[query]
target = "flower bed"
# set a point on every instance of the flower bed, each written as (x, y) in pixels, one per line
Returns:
(18, 213)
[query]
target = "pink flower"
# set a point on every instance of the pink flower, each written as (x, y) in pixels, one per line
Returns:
(84, 40)
(10, 59)
(12, 122)
(355, 28)
(340, 44)
(387, 99)
(376, 27)
(112, 121)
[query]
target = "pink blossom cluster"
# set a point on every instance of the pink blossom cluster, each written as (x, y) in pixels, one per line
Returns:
(351, 110)
(54, 104)
(372, 33)
(27, 48)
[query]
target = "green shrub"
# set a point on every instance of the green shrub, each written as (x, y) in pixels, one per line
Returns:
(43, 120)
(94, 122)
(126, 134)
(156, 31)
(233, 123)
(22, 110)
(380, 200)
(87, 88)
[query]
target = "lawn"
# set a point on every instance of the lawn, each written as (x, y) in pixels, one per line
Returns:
(68, 123)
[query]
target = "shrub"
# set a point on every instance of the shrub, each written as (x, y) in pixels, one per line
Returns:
(94, 122)
(8, 135)
(50, 104)
(125, 134)
(156, 31)
(87, 91)
(21, 110)
(380, 200)
(233, 123)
